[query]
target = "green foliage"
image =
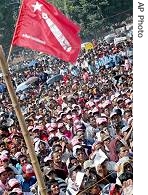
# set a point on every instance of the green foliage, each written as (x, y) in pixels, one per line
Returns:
(117, 11)
(8, 14)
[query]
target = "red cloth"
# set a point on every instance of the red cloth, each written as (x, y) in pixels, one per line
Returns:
(42, 27)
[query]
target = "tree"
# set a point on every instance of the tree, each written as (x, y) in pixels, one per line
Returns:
(8, 15)
(117, 11)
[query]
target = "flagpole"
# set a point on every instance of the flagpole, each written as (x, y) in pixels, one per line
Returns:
(10, 51)
(25, 132)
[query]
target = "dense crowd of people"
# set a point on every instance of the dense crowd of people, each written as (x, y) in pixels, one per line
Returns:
(81, 126)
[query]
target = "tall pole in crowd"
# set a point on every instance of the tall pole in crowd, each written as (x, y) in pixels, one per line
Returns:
(25, 132)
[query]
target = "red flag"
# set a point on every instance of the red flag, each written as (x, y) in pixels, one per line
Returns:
(42, 27)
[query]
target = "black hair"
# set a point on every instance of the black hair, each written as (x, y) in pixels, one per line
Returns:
(80, 149)
(4, 128)
(21, 156)
(13, 193)
(42, 142)
(64, 109)
(2, 144)
(126, 176)
(54, 152)
(8, 169)
(119, 112)
(52, 140)
(128, 111)
(118, 146)
(53, 181)
(57, 145)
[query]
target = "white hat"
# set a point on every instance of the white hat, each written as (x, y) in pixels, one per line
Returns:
(17, 155)
(69, 116)
(113, 113)
(74, 105)
(101, 120)
(30, 128)
(47, 125)
(95, 110)
(75, 148)
(13, 182)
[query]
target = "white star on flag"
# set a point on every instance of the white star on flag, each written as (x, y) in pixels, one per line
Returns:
(37, 6)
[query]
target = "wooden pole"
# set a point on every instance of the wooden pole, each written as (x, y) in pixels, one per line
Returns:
(25, 132)
(10, 51)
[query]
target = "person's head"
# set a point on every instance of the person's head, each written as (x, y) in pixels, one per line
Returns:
(57, 148)
(127, 114)
(115, 118)
(36, 132)
(54, 187)
(80, 133)
(4, 160)
(22, 159)
(24, 150)
(95, 190)
(49, 173)
(107, 111)
(28, 171)
(69, 119)
(97, 145)
(125, 177)
(81, 154)
(56, 157)
(16, 139)
(3, 175)
(61, 127)
(2, 146)
(10, 172)
(102, 123)
(4, 132)
(92, 121)
(106, 140)
(53, 141)
(13, 183)
(72, 161)
(101, 169)
(40, 111)
(85, 116)
(122, 150)
(42, 145)
(120, 102)
(127, 167)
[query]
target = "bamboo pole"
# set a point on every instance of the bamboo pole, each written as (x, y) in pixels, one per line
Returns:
(10, 51)
(25, 132)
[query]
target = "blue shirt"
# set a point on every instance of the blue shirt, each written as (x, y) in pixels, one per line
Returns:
(26, 184)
